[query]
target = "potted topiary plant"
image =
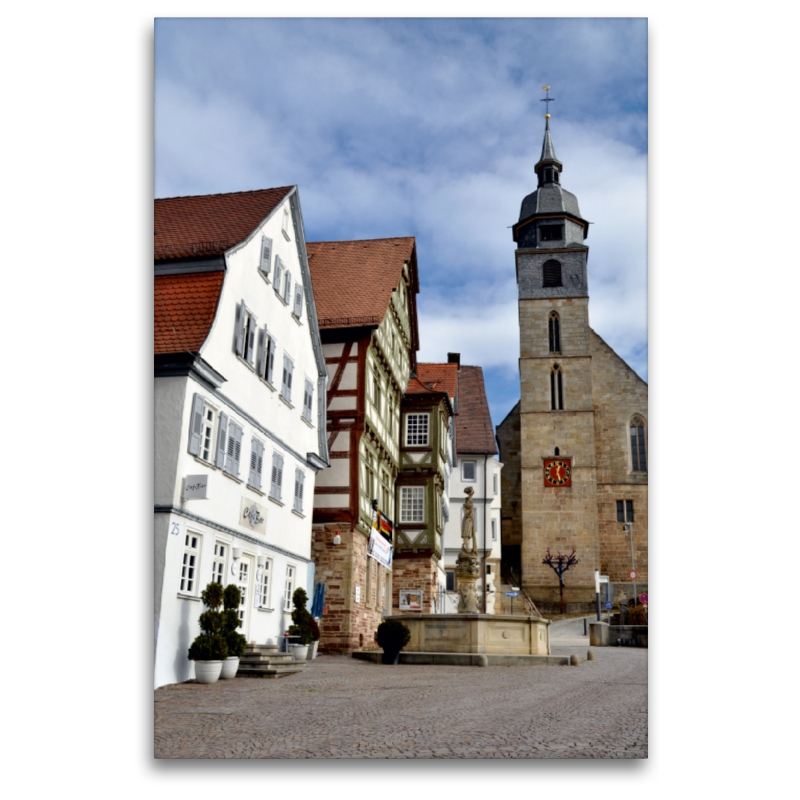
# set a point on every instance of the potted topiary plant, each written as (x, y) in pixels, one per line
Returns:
(301, 627)
(209, 649)
(312, 648)
(237, 644)
(392, 636)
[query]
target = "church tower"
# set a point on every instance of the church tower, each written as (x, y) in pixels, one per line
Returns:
(558, 480)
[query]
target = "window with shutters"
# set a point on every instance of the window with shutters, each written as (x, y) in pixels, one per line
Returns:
(556, 389)
(308, 399)
(638, 445)
(265, 263)
(551, 273)
(416, 430)
(278, 278)
(233, 450)
(202, 429)
(245, 336)
(297, 312)
(218, 564)
(286, 380)
(554, 332)
(276, 482)
(299, 481)
(412, 504)
(256, 463)
(288, 587)
(287, 288)
(469, 471)
(190, 564)
(265, 363)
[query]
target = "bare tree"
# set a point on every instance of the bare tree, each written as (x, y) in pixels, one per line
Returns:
(560, 564)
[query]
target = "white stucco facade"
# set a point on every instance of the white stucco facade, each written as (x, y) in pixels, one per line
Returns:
(254, 433)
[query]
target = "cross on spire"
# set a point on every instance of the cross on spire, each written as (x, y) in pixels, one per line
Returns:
(547, 99)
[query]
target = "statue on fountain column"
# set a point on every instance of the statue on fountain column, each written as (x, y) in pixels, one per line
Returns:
(469, 544)
(467, 561)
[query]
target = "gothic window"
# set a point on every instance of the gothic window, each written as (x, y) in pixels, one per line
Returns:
(551, 271)
(556, 393)
(554, 330)
(638, 445)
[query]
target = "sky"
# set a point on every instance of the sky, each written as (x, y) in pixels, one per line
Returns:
(427, 128)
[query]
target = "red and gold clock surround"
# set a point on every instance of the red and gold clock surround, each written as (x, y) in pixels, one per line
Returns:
(557, 472)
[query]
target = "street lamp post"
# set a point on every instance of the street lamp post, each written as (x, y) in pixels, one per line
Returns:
(628, 526)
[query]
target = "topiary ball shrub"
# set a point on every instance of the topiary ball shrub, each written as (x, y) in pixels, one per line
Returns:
(232, 597)
(393, 635)
(212, 595)
(301, 618)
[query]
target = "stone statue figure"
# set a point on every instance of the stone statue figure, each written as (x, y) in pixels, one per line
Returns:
(469, 543)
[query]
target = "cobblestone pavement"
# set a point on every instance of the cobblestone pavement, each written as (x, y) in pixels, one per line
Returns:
(340, 707)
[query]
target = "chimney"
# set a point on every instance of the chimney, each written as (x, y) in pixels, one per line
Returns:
(454, 358)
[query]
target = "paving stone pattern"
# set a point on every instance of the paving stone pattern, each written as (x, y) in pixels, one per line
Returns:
(340, 707)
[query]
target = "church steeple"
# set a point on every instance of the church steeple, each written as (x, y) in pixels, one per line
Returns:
(548, 167)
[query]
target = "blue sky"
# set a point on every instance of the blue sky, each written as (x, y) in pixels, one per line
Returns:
(430, 128)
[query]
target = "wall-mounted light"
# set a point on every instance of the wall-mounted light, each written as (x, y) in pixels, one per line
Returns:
(261, 560)
(336, 538)
(237, 552)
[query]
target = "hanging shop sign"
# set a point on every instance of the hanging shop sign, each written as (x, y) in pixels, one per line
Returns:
(195, 487)
(253, 516)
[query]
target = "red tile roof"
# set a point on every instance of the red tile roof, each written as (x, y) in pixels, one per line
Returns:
(474, 430)
(210, 224)
(435, 378)
(184, 307)
(353, 281)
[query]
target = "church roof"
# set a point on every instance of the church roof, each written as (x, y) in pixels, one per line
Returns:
(353, 281)
(210, 224)
(183, 310)
(549, 199)
(474, 430)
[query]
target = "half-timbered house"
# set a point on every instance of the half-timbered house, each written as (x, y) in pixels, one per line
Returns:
(365, 294)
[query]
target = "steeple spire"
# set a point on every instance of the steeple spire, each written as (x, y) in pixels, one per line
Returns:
(548, 151)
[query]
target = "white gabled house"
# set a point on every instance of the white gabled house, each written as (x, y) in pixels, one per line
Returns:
(240, 413)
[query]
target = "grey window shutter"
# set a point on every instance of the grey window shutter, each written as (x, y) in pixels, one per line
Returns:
(222, 440)
(238, 341)
(298, 300)
(259, 463)
(251, 478)
(286, 388)
(262, 346)
(249, 350)
(308, 398)
(266, 255)
(278, 273)
(299, 478)
(277, 476)
(287, 289)
(237, 450)
(270, 358)
(196, 424)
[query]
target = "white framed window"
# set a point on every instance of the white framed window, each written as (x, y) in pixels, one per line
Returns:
(190, 563)
(203, 424)
(494, 530)
(276, 281)
(263, 583)
(299, 481)
(298, 301)
(233, 449)
(417, 430)
(286, 225)
(494, 483)
(256, 463)
(287, 288)
(288, 587)
(265, 263)
(376, 393)
(308, 399)
(468, 470)
(218, 564)
(276, 483)
(412, 504)
(286, 380)
(245, 334)
(243, 582)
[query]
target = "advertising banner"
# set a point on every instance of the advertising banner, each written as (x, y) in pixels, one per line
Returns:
(380, 539)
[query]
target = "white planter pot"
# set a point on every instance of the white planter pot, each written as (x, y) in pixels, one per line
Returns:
(299, 652)
(229, 667)
(207, 671)
(312, 650)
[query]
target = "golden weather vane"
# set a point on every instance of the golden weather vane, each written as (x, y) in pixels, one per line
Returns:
(547, 99)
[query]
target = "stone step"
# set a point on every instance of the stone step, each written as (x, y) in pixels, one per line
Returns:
(270, 671)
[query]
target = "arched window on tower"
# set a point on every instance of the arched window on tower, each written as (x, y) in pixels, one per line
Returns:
(551, 273)
(554, 331)
(638, 445)
(556, 389)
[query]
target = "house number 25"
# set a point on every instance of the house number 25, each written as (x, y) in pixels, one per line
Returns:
(175, 528)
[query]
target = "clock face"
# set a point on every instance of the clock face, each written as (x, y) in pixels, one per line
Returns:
(558, 472)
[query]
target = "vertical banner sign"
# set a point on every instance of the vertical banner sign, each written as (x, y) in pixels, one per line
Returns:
(380, 539)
